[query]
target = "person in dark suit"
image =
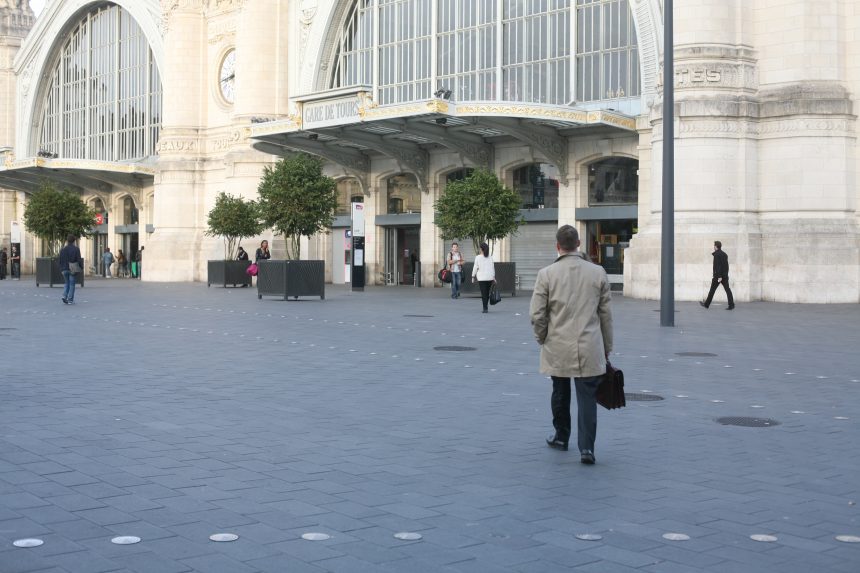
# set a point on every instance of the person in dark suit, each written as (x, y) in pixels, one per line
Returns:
(721, 277)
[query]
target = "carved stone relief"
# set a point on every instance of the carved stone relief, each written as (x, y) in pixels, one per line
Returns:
(306, 18)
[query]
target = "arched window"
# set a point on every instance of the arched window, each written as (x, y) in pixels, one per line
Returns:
(348, 192)
(613, 181)
(458, 175)
(404, 195)
(104, 99)
(607, 58)
(537, 185)
(489, 50)
(101, 213)
(129, 212)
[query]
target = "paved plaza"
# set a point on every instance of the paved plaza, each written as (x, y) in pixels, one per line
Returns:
(172, 412)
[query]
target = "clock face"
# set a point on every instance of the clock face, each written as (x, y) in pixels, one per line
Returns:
(227, 77)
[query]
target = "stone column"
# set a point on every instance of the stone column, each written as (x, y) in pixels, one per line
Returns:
(261, 92)
(15, 23)
(765, 154)
(431, 243)
(173, 251)
(807, 156)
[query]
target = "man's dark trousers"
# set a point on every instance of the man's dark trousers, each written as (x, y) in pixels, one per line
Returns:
(715, 282)
(586, 410)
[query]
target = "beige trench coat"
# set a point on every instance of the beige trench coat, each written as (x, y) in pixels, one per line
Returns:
(571, 317)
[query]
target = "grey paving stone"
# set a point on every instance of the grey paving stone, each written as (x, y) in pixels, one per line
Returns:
(362, 444)
(217, 564)
(151, 562)
(282, 563)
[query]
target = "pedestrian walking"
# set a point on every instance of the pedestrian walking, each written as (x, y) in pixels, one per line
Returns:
(138, 263)
(16, 263)
(484, 272)
(121, 264)
(4, 260)
(70, 263)
(262, 253)
(573, 324)
(455, 265)
(107, 259)
(720, 277)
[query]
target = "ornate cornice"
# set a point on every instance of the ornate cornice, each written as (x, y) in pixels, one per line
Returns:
(779, 128)
(169, 8)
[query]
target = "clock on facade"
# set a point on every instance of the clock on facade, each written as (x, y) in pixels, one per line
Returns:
(227, 77)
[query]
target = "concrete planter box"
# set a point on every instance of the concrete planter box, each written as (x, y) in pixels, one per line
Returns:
(291, 279)
(506, 279)
(48, 272)
(223, 273)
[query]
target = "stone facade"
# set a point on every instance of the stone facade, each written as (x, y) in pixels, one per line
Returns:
(16, 20)
(766, 144)
(766, 153)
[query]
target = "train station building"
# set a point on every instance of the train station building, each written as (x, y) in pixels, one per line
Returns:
(150, 109)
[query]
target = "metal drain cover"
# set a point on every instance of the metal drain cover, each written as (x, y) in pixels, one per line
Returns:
(747, 422)
(454, 348)
(418, 315)
(635, 397)
(696, 354)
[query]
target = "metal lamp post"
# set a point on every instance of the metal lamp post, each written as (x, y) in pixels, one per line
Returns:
(667, 254)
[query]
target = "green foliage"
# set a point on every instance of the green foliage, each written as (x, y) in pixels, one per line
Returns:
(234, 219)
(52, 214)
(296, 199)
(478, 207)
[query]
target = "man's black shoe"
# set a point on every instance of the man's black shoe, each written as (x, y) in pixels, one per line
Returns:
(701, 302)
(730, 307)
(587, 457)
(557, 444)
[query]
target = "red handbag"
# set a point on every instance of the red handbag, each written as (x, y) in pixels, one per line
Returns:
(252, 269)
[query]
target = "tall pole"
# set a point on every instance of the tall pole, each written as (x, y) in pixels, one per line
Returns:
(667, 254)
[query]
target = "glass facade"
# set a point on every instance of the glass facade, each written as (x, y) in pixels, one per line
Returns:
(537, 185)
(130, 213)
(613, 182)
(348, 192)
(104, 100)
(541, 51)
(404, 194)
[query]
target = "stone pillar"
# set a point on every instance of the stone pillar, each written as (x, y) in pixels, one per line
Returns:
(431, 243)
(807, 156)
(374, 236)
(765, 154)
(173, 251)
(15, 24)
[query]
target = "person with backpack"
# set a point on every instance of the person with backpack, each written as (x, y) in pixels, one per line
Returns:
(455, 265)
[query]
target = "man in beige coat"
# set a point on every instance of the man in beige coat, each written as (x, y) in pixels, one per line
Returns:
(573, 324)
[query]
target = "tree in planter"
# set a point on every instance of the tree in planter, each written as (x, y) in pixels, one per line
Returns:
(296, 199)
(478, 207)
(52, 214)
(233, 219)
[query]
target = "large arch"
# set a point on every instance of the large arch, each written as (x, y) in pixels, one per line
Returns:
(320, 44)
(37, 55)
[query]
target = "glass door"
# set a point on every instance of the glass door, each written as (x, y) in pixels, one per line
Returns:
(99, 243)
(390, 269)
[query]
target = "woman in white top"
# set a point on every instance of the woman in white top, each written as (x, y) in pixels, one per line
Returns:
(484, 272)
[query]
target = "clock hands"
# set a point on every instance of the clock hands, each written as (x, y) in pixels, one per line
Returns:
(228, 78)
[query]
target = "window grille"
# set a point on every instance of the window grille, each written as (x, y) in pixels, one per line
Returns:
(541, 51)
(104, 99)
